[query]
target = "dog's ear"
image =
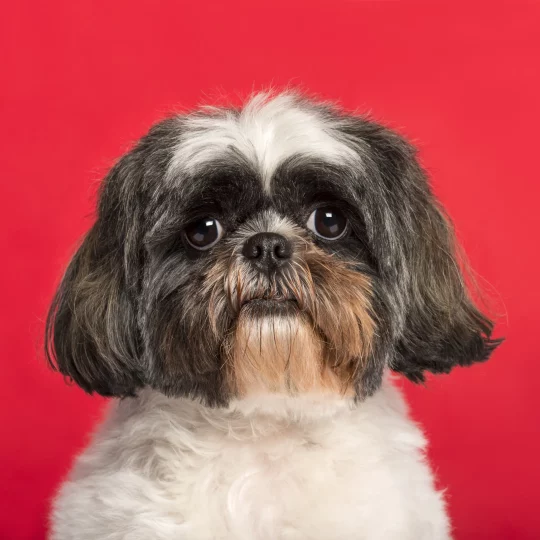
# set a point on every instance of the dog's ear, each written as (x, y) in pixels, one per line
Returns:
(92, 334)
(436, 325)
(443, 327)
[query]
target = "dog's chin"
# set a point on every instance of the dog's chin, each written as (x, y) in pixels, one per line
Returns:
(277, 350)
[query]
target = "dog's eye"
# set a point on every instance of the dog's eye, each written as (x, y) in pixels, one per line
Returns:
(327, 222)
(204, 233)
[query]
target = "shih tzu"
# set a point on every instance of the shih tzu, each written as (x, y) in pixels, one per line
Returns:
(252, 277)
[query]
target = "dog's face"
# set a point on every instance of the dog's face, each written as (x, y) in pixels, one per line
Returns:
(284, 248)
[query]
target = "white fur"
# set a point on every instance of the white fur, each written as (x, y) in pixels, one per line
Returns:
(276, 468)
(267, 131)
(269, 221)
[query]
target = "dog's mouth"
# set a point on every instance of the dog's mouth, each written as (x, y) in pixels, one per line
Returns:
(270, 304)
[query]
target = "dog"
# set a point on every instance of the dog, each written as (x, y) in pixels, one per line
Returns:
(252, 278)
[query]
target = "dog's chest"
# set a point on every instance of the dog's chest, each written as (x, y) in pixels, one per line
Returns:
(210, 475)
(282, 486)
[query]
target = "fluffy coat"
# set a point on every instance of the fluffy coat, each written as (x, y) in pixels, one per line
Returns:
(298, 469)
(251, 276)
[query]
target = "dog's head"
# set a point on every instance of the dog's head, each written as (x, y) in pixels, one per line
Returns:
(285, 247)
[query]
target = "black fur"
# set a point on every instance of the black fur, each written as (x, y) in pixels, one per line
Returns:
(414, 245)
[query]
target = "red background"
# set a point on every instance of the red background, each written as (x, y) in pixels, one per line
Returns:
(83, 79)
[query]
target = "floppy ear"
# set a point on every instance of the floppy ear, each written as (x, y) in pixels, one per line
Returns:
(443, 327)
(91, 333)
(436, 325)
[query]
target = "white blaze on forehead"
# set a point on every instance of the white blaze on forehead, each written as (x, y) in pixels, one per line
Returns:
(266, 131)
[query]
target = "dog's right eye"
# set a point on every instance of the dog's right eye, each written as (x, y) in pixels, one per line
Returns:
(204, 233)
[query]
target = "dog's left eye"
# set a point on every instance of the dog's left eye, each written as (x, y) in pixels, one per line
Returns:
(204, 233)
(327, 222)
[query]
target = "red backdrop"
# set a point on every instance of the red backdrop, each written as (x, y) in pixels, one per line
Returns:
(83, 79)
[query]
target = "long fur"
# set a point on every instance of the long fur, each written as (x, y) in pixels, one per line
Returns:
(170, 468)
(253, 398)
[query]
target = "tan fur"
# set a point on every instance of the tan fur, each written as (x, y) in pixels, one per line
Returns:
(318, 343)
(274, 353)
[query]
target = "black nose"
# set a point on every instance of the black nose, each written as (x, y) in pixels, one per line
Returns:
(267, 251)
